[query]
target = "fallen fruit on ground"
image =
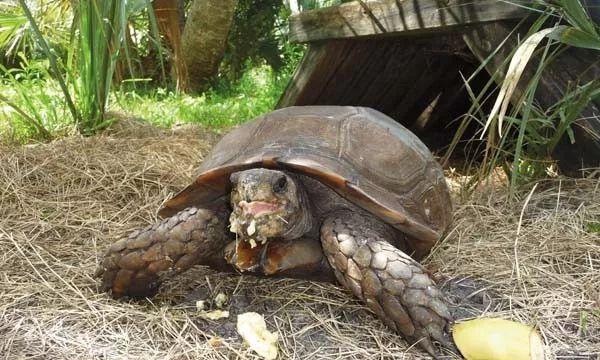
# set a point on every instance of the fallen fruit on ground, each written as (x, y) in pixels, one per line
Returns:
(253, 329)
(497, 339)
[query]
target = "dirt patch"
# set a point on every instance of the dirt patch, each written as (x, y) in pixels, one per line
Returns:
(62, 203)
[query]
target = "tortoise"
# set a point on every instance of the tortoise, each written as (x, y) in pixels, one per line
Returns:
(314, 192)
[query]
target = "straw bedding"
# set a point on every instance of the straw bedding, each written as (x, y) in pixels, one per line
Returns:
(63, 203)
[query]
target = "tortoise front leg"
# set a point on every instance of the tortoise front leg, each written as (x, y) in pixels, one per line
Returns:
(392, 284)
(136, 266)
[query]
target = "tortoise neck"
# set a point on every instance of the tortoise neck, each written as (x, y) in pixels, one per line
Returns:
(304, 222)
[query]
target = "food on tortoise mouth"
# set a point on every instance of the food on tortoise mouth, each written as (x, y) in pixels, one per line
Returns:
(251, 229)
(252, 243)
(258, 208)
(246, 254)
(254, 216)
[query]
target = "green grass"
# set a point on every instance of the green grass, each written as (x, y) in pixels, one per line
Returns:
(31, 108)
(594, 227)
(223, 106)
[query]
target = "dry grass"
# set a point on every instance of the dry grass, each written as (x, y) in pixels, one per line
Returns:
(62, 203)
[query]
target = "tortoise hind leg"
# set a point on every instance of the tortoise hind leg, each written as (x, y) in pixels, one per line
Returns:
(136, 266)
(392, 284)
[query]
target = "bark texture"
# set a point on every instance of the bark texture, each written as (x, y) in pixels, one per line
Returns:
(168, 17)
(204, 39)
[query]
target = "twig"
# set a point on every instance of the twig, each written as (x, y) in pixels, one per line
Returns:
(519, 229)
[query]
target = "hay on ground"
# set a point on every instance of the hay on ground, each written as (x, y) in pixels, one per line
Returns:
(63, 203)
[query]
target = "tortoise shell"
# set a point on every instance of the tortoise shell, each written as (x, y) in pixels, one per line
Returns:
(362, 154)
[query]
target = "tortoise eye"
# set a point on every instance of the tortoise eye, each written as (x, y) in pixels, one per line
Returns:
(280, 185)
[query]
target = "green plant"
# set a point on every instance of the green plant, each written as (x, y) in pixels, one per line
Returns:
(52, 58)
(145, 41)
(527, 134)
(37, 107)
(39, 96)
(53, 19)
(226, 104)
(594, 227)
(256, 34)
(85, 73)
(100, 25)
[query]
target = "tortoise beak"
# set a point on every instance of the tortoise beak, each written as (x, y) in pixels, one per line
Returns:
(258, 208)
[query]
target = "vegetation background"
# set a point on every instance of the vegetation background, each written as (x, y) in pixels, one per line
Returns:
(53, 53)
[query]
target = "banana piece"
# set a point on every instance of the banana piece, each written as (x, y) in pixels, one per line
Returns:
(497, 339)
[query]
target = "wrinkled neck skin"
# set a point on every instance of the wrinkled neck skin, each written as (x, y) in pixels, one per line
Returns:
(268, 204)
(305, 221)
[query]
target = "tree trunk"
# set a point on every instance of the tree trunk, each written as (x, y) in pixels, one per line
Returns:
(204, 39)
(168, 19)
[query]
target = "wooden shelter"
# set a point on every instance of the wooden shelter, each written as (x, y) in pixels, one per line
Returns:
(407, 58)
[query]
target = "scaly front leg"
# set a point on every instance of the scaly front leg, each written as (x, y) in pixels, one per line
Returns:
(136, 266)
(393, 285)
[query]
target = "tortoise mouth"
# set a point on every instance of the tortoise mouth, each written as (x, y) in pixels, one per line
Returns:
(257, 221)
(246, 255)
(257, 209)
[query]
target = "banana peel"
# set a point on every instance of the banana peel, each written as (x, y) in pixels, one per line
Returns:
(497, 339)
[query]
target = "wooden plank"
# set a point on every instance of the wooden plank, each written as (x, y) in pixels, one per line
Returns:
(350, 72)
(398, 76)
(428, 73)
(394, 17)
(373, 70)
(314, 73)
(384, 82)
(314, 55)
(573, 66)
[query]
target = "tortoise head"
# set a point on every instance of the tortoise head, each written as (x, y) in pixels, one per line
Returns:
(268, 204)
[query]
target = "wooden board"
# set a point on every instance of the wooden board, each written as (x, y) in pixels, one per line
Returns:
(301, 79)
(313, 73)
(394, 17)
(400, 77)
